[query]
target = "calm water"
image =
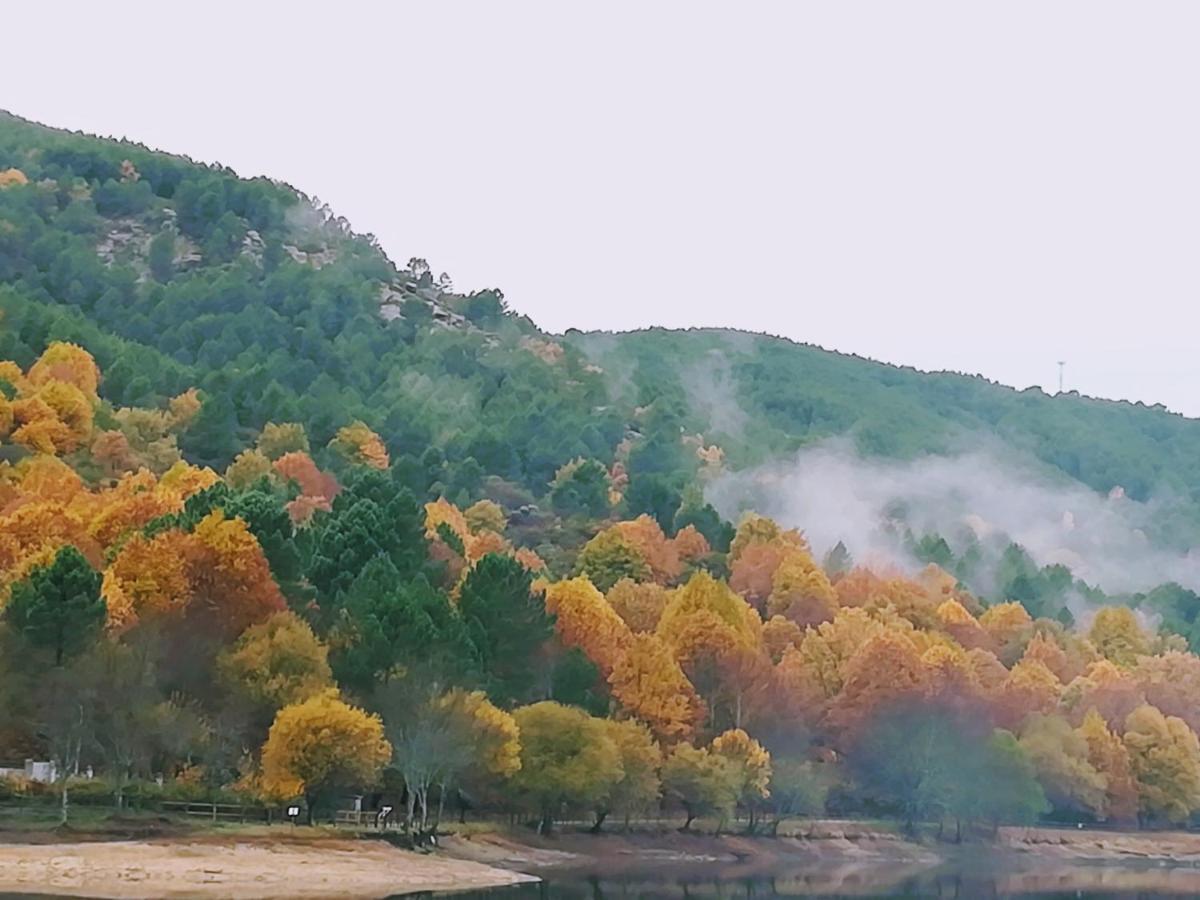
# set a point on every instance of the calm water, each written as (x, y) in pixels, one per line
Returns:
(851, 881)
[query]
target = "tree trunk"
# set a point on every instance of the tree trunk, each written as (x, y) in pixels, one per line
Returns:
(310, 804)
(599, 823)
(687, 825)
(64, 803)
(441, 807)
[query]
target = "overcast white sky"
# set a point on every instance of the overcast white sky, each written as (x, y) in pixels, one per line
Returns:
(983, 187)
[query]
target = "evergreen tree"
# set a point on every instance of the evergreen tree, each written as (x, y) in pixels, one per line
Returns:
(59, 607)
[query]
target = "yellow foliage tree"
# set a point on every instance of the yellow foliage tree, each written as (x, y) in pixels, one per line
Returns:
(147, 578)
(278, 440)
(640, 604)
(1116, 633)
(1110, 757)
(648, 682)
(753, 529)
(67, 363)
(320, 744)
(1164, 755)
(827, 649)
(485, 515)
(12, 177)
(247, 468)
(750, 764)
(801, 591)
(1060, 756)
(779, 635)
(492, 733)
(587, 621)
(639, 787)
(610, 556)
(359, 445)
(278, 662)
(662, 555)
(1010, 627)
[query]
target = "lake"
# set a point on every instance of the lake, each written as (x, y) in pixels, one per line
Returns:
(1078, 882)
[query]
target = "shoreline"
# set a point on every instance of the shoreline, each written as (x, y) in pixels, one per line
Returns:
(316, 866)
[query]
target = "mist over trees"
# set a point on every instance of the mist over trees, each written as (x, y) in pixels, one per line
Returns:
(280, 520)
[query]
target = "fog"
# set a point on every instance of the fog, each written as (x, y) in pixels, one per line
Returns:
(833, 494)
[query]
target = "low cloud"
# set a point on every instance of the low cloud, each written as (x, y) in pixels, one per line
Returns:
(834, 494)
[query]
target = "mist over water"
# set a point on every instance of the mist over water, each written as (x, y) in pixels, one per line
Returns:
(834, 494)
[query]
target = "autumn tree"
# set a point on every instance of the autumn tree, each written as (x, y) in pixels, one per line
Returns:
(58, 607)
(584, 619)
(1029, 688)
(610, 556)
(1165, 758)
(640, 604)
(648, 682)
(278, 440)
(359, 445)
(320, 744)
(1109, 690)
(753, 572)
(702, 782)
(801, 591)
(661, 553)
(1060, 756)
(779, 635)
(886, 670)
(247, 468)
(441, 740)
(1109, 756)
(1009, 627)
(827, 650)
(750, 764)
(568, 761)
(1171, 683)
(231, 583)
(485, 515)
(641, 759)
(492, 735)
(66, 363)
(1118, 636)
(278, 662)
(716, 636)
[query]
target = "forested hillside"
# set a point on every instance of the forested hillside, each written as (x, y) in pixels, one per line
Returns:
(177, 274)
(301, 630)
(281, 519)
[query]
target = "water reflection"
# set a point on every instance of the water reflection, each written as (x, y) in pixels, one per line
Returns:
(1078, 882)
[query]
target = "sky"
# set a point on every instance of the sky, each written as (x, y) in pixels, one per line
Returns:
(986, 187)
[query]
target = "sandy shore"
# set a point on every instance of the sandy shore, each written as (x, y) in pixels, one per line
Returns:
(1181, 848)
(240, 870)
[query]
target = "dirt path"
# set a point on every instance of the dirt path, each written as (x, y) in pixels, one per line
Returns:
(238, 870)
